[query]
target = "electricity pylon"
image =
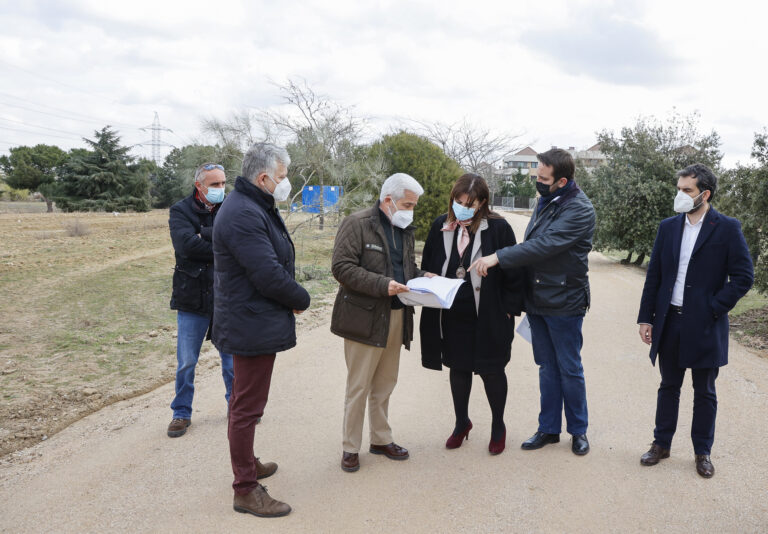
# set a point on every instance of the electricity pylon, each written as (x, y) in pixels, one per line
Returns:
(156, 142)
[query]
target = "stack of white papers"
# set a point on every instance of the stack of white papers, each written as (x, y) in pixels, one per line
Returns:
(435, 292)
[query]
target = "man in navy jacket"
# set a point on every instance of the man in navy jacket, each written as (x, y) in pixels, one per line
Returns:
(191, 224)
(699, 269)
(255, 299)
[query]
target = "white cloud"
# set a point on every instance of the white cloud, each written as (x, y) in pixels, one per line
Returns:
(558, 71)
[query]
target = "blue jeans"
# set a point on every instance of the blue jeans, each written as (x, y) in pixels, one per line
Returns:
(557, 345)
(192, 328)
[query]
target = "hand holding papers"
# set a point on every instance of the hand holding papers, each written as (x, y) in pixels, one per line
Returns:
(435, 292)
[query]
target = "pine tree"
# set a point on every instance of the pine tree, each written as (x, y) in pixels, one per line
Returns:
(104, 177)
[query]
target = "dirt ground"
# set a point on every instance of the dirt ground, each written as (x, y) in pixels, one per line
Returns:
(115, 470)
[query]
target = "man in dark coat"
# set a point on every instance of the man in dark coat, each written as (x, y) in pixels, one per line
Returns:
(256, 297)
(373, 259)
(554, 253)
(191, 224)
(699, 269)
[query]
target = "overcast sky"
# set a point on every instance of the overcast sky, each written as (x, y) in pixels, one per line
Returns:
(555, 72)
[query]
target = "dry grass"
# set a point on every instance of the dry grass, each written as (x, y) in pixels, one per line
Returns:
(85, 318)
(76, 228)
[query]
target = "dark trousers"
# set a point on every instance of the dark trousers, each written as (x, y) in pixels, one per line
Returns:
(250, 390)
(668, 400)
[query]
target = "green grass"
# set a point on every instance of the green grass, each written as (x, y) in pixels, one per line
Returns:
(121, 302)
(751, 301)
(620, 255)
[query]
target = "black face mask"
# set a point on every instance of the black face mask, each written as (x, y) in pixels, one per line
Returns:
(543, 189)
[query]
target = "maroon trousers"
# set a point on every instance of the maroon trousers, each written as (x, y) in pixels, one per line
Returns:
(250, 389)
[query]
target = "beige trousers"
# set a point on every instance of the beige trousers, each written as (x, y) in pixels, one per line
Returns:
(371, 375)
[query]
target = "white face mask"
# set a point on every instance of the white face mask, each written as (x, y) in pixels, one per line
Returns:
(685, 203)
(282, 190)
(401, 218)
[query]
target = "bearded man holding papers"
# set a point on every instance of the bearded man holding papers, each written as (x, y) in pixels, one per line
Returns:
(474, 335)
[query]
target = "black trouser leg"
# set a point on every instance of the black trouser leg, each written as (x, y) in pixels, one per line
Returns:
(461, 386)
(704, 409)
(496, 391)
(668, 397)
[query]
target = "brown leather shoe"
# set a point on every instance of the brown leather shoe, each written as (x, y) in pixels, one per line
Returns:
(265, 470)
(391, 451)
(350, 462)
(704, 466)
(654, 454)
(259, 503)
(178, 427)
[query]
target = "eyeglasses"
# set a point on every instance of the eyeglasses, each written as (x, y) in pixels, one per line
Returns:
(211, 166)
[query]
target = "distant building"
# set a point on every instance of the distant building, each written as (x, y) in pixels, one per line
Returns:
(525, 161)
(590, 158)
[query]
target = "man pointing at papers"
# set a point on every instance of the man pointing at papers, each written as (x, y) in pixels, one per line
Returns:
(373, 259)
(554, 254)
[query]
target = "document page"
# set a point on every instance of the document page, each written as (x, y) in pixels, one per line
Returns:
(435, 292)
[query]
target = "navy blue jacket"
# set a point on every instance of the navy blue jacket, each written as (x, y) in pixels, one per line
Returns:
(557, 243)
(191, 226)
(254, 286)
(719, 274)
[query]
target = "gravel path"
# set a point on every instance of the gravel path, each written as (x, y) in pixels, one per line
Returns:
(117, 471)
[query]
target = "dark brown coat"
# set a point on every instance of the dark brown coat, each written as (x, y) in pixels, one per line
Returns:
(361, 263)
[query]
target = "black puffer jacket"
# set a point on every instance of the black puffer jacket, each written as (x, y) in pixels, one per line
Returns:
(256, 292)
(191, 227)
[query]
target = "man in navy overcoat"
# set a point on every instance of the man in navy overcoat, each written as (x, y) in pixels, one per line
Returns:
(699, 269)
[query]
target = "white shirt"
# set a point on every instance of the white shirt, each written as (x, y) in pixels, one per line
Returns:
(690, 234)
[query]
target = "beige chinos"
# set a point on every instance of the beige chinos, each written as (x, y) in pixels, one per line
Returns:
(371, 375)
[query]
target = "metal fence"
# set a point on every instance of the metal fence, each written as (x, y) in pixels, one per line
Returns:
(514, 203)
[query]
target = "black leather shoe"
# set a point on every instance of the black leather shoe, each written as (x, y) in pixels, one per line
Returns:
(654, 455)
(538, 440)
(350, 462)
(580, 445)
(704, 466)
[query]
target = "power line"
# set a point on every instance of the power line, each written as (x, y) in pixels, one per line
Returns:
(32, 73)
(53, 114)
(73, 113)
(41, 127)
(39, 133)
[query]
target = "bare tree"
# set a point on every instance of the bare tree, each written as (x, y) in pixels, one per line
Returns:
(322, 137)
(475, 148)
(241, 130)
(325, 144)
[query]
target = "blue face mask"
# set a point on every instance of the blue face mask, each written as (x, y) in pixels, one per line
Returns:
(215, 195)
(462, 213)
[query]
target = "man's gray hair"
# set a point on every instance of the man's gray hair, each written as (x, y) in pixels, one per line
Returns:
(396, 185)
(264, 157)
(204, 168)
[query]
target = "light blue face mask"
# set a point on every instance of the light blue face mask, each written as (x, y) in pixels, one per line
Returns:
(462, 213)
(215, 195)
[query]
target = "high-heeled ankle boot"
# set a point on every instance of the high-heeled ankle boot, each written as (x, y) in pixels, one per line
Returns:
(455, 440)
(497, 447)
